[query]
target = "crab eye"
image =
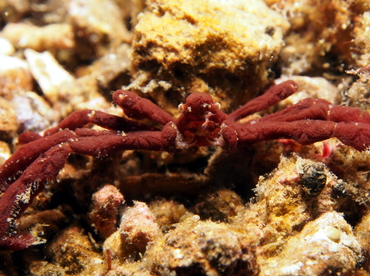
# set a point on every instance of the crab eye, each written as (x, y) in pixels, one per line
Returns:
(184, 108)
(206, 106)
(181, 107)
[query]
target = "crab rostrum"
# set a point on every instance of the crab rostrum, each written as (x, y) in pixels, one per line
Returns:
(146, 126)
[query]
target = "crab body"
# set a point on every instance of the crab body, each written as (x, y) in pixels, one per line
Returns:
(201, 123)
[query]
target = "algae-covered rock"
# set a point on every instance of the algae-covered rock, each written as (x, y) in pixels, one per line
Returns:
(325, 246)
(223, 48)
(202, 248)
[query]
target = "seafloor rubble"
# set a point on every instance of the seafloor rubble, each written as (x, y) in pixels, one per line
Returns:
(272, 208)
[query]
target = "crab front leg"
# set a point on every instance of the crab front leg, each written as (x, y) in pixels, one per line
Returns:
(271, 97)
(101, 143)
(33, 148)
(140, 108)
(87, 141)
(133, 105)
(79, 119)
(46, 166)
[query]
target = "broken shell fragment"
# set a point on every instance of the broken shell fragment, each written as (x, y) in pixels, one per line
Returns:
(48, 73)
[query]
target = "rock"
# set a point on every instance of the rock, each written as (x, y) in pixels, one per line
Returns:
(104, 209)
(48, 73)
(97, 23)
(6, 47)
(137, 229)
(33, 112)
(222, 48)
(50, 37)
(15, 76)
(324, 246)
(8, 120)
(202, 248)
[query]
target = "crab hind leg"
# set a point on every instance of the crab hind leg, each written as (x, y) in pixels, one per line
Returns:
(21, 193)
(24, 156)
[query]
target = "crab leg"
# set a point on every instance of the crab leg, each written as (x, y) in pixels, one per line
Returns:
(318, 110)
(44, 165)
(84, 141)
(272, 96)
(139, 108)
(81, 118)
(27, 154)
(133, 105)
(306, 132)
(20, 194)
(100, 144)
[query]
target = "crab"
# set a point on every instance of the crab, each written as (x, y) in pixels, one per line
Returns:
(146, 126)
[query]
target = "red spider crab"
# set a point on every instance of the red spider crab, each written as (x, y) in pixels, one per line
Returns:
(201, 123)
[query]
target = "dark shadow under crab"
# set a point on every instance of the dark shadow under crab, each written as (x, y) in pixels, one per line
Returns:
(201, 123)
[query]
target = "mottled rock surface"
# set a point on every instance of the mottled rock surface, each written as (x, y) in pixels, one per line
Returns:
(222, 48)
